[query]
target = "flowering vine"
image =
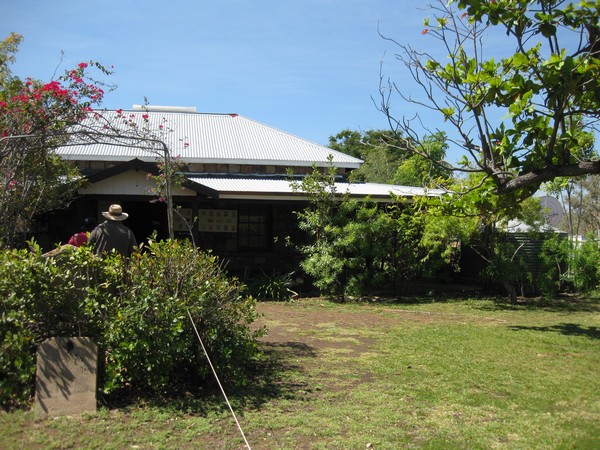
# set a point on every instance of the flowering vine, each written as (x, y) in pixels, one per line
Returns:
(34, 118)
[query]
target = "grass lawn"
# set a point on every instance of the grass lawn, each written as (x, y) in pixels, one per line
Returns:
(429, 374)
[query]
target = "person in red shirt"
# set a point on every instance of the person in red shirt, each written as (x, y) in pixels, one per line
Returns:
(83, 236)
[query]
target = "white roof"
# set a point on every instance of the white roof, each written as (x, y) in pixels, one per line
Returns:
(199, 138)
(517, 226)
(264, 188)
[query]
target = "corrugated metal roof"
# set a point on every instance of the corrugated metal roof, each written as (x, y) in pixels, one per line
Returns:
(203, 138)
(235, 187)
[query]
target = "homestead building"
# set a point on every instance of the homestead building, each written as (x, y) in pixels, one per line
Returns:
(236, 196)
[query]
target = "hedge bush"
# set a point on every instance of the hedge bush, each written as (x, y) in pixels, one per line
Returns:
(135, 309)
(569, 265)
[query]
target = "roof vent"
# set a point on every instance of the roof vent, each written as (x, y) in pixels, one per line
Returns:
(156, 108)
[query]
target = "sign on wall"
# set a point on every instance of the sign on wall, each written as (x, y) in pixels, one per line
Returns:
(217, 220)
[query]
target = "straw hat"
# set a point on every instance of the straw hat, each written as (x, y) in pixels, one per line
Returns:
(115, 212)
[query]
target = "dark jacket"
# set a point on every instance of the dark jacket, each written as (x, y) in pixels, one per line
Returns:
(112, 235)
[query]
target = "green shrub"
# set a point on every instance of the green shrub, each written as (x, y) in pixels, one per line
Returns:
(506, 267)
(553, 264)
(135, 309)
(150, 343)
(327, 269)
(357, 247)
(584, 266)
(360, 247)
(38, 299)
(567, 265)
(275, 286)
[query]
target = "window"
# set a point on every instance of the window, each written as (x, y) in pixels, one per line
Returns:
(254, 228)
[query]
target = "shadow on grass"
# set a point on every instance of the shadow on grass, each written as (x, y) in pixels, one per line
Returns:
(274, 376)
(423, 293)
(568, 329)
(565, 303)
(411, 299)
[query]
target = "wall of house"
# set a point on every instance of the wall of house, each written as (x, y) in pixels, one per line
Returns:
(132, 182)
(269, 252)
(242, 257)
(255, 241)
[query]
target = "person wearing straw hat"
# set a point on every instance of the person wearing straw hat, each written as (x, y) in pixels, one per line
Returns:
(112, 234)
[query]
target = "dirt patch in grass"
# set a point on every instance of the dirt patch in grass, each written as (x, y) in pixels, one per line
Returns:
(290, 327)
(287, 324)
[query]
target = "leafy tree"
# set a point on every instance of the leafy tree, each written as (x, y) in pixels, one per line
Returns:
(518, 116)
(387, 158)
(573, 190)
(574, 263)
(8, 49)
(34, 118)
(568, 267)
(354, 143)
(590, 204)
(444, 236)
(581, 200)
(39, 117)
(376, 148)
(419, 171)
(473, 220)
(355, 247)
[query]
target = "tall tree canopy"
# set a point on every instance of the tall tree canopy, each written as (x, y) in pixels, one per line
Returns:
(388, 159)
(522, 117)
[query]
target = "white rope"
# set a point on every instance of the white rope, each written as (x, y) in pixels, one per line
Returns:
(219, 382)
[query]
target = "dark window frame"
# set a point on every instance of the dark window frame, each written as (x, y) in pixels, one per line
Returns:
(255, 228)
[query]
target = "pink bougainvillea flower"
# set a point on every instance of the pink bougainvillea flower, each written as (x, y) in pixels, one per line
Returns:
(145, 116)
(82, 65)
(425, 31)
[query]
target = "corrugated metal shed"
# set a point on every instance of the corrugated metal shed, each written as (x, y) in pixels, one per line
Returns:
(264, 188)
(201, 138)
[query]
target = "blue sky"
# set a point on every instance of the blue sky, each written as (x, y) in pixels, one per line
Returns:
(307, 67)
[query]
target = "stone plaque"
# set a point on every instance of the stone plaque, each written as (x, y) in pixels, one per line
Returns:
(66, 376)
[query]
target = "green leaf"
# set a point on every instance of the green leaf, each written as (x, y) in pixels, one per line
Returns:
(448, 112)
(547, 30)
